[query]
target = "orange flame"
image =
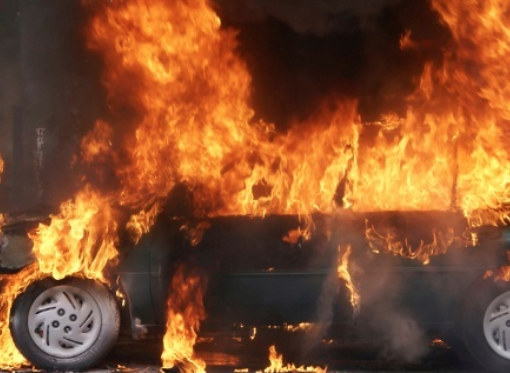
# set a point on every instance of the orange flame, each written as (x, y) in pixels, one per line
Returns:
(185, 310)
(13, 285)
(277, 366)
(80, 240)
(195, 125)
(344, 274)
(391, 243)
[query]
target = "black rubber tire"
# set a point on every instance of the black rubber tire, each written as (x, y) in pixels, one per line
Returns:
(471, 324)
(109, 330)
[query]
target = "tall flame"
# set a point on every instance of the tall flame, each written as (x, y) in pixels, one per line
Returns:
(177, 68)
(185, 311)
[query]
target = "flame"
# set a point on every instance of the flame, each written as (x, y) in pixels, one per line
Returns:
(80, 240)
(406, 42)
(185, 310)
(344, 274)
(439, 343)
(391, 243)
(12, 286)
(501, 273)
(195, 232)
(176, 70)
(276, 364)
(302, 326)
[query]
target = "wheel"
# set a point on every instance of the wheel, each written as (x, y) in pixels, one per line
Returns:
(485, 324)
(65, 325)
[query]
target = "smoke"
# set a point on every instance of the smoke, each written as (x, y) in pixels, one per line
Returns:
(400, 337)
(318, 17)
(386, 322)
(325, 312)
(301, 53)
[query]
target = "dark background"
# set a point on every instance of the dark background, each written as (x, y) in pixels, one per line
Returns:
(298, 51)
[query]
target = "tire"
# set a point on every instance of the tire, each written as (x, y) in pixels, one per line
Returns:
(69, 324)
(485, 324)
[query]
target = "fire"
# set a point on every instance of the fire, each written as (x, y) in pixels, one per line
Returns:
(439, 343)
(391, 243)
(344, 274)
(185, 310)
(12, 286)
(176, 69)
(277, 366)
(80, 240)
(302, 326)
(502, 273)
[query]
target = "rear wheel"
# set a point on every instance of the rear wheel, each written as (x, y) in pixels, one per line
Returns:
(69, 324)
(485, 325)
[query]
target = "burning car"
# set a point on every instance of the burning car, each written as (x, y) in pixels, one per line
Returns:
(406, 204)
(258, 273)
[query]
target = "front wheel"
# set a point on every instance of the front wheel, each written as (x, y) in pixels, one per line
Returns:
(69, 324)
(485, 324)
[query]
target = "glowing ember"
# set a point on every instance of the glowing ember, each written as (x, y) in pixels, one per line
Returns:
(439, 343)
(343, 273)
(302, 326)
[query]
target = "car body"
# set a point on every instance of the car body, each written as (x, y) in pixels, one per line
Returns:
(257, 275)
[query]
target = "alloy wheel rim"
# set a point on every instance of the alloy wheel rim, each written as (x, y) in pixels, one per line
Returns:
(496, 325)
(64, 321)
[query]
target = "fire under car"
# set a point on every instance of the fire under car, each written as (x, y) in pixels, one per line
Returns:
(426, 265)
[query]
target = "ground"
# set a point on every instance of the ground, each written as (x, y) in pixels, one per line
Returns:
(339, 356)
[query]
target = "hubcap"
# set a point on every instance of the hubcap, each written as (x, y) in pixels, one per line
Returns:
(64, 321)
(496, 325)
